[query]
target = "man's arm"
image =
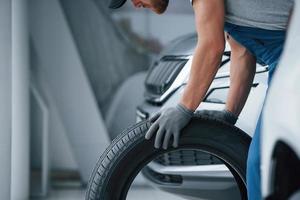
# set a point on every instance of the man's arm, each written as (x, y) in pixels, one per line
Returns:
(210, 24)
(242, 71)
(209, 18)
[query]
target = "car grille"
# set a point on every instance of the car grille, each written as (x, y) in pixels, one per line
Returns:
(187, 158)
(162, 75)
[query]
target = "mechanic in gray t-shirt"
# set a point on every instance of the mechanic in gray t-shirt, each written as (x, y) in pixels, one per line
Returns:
(255, 31)
(264, 14)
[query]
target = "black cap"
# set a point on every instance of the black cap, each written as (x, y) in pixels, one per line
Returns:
(114, 4)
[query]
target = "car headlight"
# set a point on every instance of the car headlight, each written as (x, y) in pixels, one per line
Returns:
(170, 73)
(219, 94)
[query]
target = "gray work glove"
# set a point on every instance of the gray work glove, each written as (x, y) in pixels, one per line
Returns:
(169, 123)
(223, 115)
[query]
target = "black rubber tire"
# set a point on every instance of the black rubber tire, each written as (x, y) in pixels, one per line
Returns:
(130, 152)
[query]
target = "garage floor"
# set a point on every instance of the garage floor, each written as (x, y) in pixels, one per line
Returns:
(136, 193)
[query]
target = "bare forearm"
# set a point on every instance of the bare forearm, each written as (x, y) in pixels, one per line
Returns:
(204, 67)
(242, 71)
(210, 46)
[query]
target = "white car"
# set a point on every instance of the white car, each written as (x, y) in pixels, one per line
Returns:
(210, 160)
(281, 123)
(194, 174)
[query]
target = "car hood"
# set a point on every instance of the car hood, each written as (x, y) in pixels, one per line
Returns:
(182, 46)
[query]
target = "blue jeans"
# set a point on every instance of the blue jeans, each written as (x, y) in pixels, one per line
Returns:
(266, 46)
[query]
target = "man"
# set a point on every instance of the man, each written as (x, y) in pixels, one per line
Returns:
(255, 30)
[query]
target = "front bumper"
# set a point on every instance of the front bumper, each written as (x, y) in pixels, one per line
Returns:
(193, 182)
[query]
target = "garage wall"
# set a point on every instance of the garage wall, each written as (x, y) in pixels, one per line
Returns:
(20, 102)
(5, 98)
(67, 84)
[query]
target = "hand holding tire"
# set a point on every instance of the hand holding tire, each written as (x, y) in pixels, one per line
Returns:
(168, 124)
(223, 115)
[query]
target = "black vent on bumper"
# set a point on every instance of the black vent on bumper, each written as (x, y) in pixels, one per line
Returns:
(162, 75)
(187, 158)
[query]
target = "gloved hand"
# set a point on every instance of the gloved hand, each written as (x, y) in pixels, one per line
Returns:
(223, 115)
(169, 123)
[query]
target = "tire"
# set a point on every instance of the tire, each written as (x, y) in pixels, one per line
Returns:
(130, 152)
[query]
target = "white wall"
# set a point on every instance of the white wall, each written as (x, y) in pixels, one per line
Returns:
(5, 98)
(60, 153)
(67, 84)
(20, 102)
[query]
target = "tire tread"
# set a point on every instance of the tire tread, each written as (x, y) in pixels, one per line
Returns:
(119, 145)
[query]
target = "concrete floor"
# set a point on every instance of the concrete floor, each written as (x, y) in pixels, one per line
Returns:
(136, 193)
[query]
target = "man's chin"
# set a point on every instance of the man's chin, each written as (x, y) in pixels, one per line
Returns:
(158, 11)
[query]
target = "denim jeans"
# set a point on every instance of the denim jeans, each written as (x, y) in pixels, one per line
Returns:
(266, 46)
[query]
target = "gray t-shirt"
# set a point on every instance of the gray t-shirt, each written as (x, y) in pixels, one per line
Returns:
(265, 14)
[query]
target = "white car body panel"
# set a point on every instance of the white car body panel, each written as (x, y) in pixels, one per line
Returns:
(281, 119)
